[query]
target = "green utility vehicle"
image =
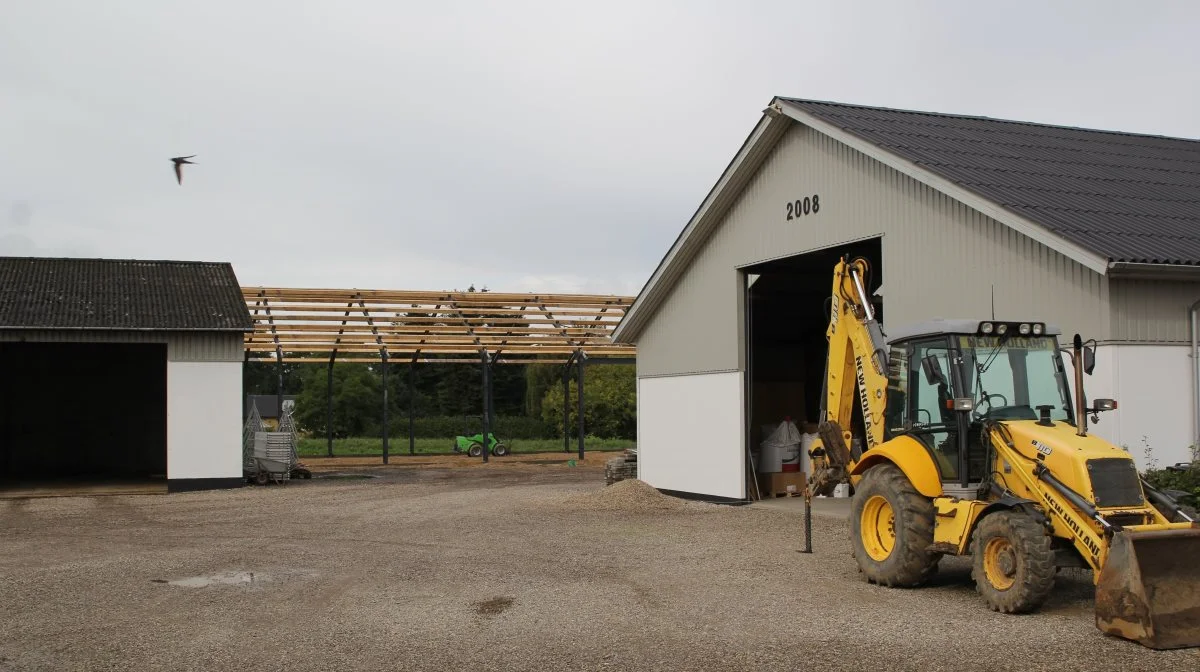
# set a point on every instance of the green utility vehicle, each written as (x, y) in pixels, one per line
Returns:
(473, 445)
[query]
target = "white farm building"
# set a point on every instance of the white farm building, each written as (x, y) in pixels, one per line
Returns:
(1095, 232)
(115, 371)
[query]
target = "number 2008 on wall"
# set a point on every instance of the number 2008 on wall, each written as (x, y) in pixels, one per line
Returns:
(809, 205)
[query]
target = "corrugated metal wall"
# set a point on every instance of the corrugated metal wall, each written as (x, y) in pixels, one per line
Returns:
(940, 258)
(181, 347)
(1152, 311)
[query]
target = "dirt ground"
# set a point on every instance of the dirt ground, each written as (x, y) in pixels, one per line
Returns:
(516, 565)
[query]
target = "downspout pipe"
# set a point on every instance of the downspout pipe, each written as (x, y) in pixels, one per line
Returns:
(1195, 374)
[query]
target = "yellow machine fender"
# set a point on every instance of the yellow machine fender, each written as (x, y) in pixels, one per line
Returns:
(910, 457)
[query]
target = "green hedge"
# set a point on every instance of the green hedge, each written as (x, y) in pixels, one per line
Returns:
(1187, 480)
(440, 427)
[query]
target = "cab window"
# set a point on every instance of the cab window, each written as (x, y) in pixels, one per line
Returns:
(934, 421)
(897, 418)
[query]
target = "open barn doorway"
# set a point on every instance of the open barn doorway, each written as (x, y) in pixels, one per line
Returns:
(82, 415)
(787, 314)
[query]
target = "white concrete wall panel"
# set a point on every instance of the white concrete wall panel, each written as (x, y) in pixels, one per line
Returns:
(204, 420)
(1153, 388)
(1154, 396)
(690, 434)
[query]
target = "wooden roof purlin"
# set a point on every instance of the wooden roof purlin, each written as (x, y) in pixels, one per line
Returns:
(300, 325)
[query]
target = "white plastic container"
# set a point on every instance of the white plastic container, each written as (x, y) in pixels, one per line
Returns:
(770, 458)
(806, 442)
(791, 454)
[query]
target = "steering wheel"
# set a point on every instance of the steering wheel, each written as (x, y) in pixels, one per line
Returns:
(987, 398)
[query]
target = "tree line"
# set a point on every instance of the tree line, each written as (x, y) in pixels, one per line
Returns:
(447, 399)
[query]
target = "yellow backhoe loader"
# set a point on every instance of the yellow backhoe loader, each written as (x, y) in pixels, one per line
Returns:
(975, 442)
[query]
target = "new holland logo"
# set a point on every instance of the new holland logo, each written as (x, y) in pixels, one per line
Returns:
(868, 420)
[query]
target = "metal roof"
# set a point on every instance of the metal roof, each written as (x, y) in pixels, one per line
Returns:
(120, 294)
(1128, 197)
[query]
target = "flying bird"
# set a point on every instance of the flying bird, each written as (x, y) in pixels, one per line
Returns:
(179, 161)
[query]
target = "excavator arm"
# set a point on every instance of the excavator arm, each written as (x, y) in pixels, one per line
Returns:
(856, 366)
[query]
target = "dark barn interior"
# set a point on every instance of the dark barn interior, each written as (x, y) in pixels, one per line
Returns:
(83, 411)
(787, 315)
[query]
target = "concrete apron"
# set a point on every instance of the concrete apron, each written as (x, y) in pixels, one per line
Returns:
(832, 507)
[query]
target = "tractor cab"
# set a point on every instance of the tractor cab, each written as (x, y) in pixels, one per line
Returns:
(947, 377)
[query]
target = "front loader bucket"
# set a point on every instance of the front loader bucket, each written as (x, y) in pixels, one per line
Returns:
(1149, 588)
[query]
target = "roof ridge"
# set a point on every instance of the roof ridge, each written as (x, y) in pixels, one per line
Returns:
(122, 260)
(1017, 122)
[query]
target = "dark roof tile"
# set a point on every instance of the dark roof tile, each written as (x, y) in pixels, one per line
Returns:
(56, 293)
(1125, 196)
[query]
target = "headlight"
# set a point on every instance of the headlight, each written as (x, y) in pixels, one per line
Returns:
(1001, 328)
(986, 327)
(1024, 329)
(1037, 330)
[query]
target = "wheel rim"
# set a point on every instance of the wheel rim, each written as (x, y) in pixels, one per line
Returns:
(878, 528)
(1000, 563)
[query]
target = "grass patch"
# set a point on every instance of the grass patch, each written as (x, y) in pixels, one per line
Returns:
(369, 446)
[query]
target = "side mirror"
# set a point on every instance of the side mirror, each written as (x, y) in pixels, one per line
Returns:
(1089, 360)
(933, 370)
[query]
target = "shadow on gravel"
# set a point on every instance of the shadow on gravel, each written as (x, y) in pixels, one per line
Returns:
(496, 605)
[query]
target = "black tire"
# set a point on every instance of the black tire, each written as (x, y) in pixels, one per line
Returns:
(908, 563)
(499, 450)
(1020, 573)
(262, 477)
(475, 450)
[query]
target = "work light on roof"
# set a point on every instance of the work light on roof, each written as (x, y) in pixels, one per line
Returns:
(1024, 329)
(986, 327)
(1037, 329)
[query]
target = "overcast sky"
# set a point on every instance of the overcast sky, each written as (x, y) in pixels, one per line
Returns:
(525, 146)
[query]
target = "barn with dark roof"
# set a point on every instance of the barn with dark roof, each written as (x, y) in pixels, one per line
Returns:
(143, 360)
(1097, 232)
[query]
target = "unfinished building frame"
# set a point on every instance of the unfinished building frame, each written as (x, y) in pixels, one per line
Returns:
(418, 327)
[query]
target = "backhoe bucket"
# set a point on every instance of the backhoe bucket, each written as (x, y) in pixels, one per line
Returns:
(1149, 588)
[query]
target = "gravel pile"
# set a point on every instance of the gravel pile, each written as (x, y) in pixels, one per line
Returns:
(632, 495)
(474, 571)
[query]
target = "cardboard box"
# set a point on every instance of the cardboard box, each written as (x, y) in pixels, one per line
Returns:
(783, 483)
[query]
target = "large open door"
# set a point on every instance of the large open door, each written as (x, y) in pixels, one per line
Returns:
(787, 315)
(82, 413)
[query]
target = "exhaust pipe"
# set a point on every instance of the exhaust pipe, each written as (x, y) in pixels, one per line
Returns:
(1080, 410)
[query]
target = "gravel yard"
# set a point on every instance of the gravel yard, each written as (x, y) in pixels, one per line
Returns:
(504, 566)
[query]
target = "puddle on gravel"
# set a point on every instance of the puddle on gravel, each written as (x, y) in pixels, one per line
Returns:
(222, 579)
